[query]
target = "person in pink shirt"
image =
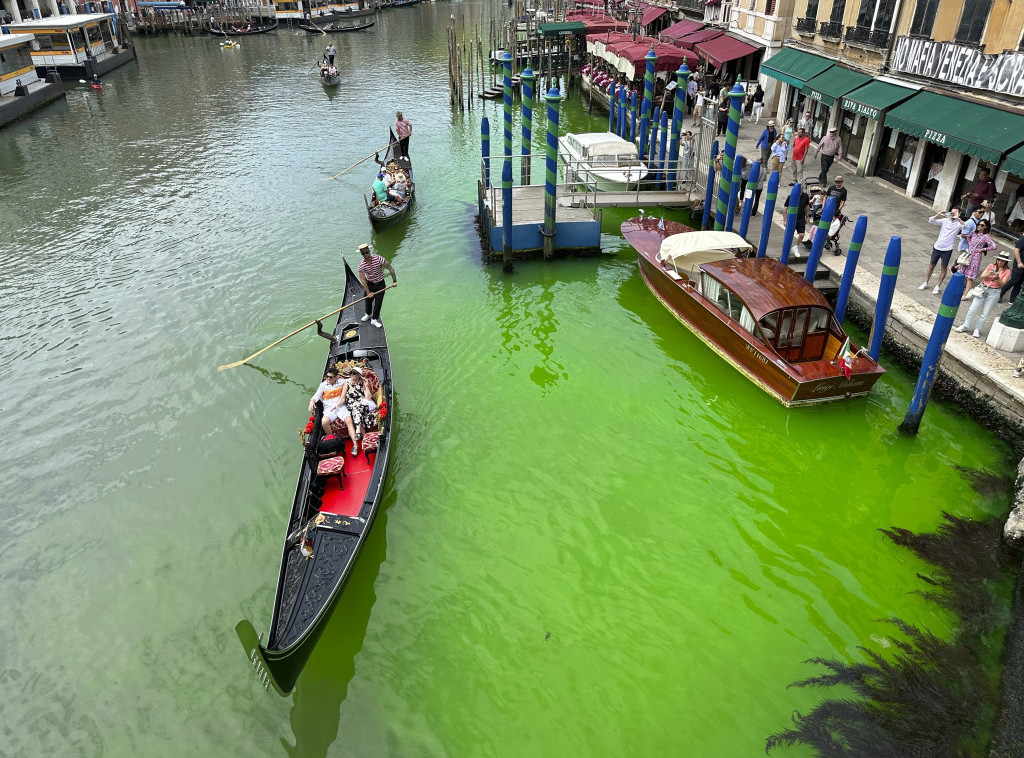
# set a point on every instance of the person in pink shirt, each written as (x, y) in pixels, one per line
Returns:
(403, 130)
(801, 142)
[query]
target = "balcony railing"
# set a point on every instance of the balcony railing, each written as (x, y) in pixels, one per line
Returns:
(874, 38)
(806, 25)
(832, 30)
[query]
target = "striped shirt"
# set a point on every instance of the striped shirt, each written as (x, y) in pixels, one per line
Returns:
(372, 268)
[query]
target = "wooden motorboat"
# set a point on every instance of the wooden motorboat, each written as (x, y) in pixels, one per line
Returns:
(267, 25)
(602, 161)
(764, 318)
(330, 27)
(385, 215)
(328, 523)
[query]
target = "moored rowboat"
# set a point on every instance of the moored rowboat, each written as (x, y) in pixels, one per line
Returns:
(328, 524)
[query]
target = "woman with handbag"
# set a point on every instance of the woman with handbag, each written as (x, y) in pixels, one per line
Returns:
(978, 243)
(992, 280)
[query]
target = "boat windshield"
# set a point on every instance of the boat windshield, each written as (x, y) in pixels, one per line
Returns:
(614, 161)
(802, 334)
(730, 304)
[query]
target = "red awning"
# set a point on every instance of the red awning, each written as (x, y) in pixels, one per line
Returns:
(681, 29)
(620, 43)
(703, 35)
(652, 13)
(611, 38)
(722, 49)
(669, 58)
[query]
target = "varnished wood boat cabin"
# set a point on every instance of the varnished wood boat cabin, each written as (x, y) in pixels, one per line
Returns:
(764, 318)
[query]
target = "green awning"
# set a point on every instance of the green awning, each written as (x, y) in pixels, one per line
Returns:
(873, 99)
(833, 83)
(970, 128)
(794, 67)
(562, 29)
(1014, 162)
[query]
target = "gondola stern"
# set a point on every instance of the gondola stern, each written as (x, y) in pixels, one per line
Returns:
(281, 681)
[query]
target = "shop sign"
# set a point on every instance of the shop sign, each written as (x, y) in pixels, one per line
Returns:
(961, 65)
(854, 107)
(815, 95)
(933, 136)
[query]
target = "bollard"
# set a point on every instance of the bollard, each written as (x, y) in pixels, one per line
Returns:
(678, 114)
(554, 100)
(814, 257)
(507, 62)
(886, 288)
(661, 150)
(930, 362)
(728, 160)
(528, 78)
(485, 150)
(734, 191)
(709, 190)
(632, 117)
(748, 197)
(650, 59)
(506, 216)
(852, 256)
(791, 210)
(611, 107)
(771, 192)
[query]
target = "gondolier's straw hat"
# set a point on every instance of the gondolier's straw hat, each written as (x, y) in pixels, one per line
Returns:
(364, 248)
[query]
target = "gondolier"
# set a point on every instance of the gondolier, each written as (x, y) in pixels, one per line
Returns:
(371, 274)
(403, 128)
(330, 54)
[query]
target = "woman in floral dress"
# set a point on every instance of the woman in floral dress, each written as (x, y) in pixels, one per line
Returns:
(978, 244)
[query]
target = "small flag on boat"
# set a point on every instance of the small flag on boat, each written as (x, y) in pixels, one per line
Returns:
(661, 223)
(846, 359)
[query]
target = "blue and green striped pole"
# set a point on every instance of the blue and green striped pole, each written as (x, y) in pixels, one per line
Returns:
(485, 150)
(791, 219)
(814, 257)
(611, 107)
(554, 100)
(886, 288)
(930, 362)
(852, 256)
(678, 114)
(623, 108)
(771, 192)
(748, 197)
(709, 190)
(734, 191)
(653, 148)
(506, 216)
(528, 78)
(661, 149)
(650, 59)
(507, 61)
(728, 160)
(632, 117)
(645, 127)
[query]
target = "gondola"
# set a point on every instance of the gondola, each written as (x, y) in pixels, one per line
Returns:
(329, 79)
(262, 29)
(336, 500)
(385, 215)
(333, 26)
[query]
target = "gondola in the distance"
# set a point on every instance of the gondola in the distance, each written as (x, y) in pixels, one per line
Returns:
(400, 189)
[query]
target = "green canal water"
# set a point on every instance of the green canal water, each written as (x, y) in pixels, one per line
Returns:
(597, 538)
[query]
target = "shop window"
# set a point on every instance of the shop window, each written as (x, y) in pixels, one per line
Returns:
(838, 11)
(973, 20)
(924, 18)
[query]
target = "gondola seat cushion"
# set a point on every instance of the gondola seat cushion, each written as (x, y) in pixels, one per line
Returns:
(331, 466)
(370, 441)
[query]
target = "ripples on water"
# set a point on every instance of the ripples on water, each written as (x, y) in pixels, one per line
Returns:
(599, 538)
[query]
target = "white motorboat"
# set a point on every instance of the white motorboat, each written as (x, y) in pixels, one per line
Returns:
(602, 161)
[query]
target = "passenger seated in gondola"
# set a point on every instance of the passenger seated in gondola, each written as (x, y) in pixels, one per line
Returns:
(380, 189)
(358, 400)
(401, 185)
(332, 393)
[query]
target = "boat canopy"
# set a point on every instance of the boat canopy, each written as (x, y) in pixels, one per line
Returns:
(694, 248)
(603, 143)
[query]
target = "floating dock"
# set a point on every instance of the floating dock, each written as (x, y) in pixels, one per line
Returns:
(577, 230)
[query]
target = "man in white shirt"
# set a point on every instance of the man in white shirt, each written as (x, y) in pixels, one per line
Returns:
(949, 224)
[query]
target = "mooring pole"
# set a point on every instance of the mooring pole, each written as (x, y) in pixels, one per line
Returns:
(485, 150)
(661, 149)
(506, 216)
(632, 117)
(653, 147)
(852, 256)
(554, 100)
(930, 362)
(729, 159)
(645, 127)
(650, 60)
(771, 192)
(814, 257)
(791, 209)
(623, 107)
(748, 197)
(678, 114)
(709, 190)
(611, 107)
(734, 192)
(507, 91)
(528, 78)
(886, 288)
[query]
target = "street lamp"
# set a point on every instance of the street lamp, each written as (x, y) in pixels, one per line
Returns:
(635, 13)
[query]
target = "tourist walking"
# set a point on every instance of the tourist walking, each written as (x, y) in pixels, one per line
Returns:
(838, 191)
(787, 132)
(978, 244)
(403, 130)
(996, 274)
(806, 122)
(698, 107)
(780, 151)
(723, 116)
(371, 274)
(755, 112)
(686, 153)
(1016, 272)
(801, 144)
(830, 149)
(765, 142)
(949, 224)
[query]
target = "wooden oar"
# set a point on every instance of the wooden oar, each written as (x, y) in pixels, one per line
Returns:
(301, 328)
(328, 178)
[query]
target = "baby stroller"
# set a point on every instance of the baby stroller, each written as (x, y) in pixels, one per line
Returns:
(832, 240)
